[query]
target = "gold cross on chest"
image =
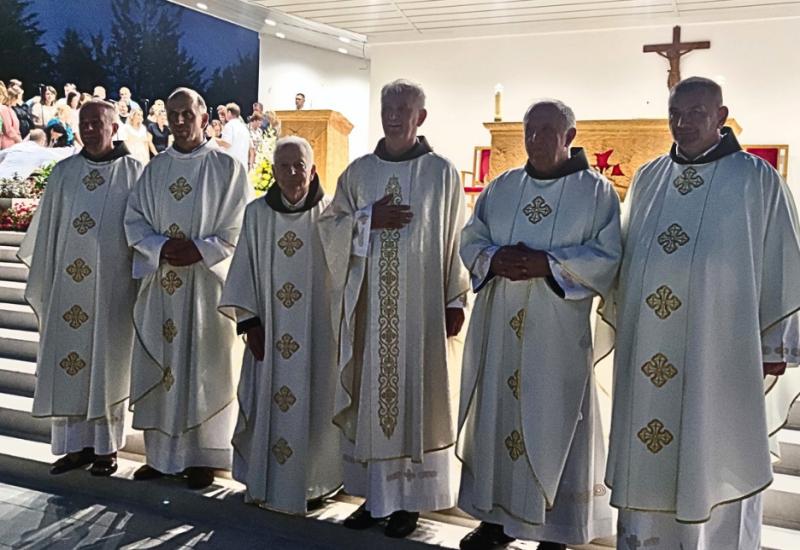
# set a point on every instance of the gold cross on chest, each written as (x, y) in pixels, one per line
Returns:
(673, 52)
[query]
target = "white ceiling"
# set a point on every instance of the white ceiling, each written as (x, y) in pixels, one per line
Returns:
(414, 20)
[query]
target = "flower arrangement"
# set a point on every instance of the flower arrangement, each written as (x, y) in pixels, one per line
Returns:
(17, 218)
(261, 174)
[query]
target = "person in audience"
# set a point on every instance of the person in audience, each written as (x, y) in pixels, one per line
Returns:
(159, 138)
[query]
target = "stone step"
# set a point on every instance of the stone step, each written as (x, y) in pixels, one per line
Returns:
(18, 317)
(794, 417)
(789, 463)
(19, 344)
(17, 377)
(778, 538)
(782, 502)
(9, 254)
(10, 271)
(12, 292)
(11, 238)
(16, 420)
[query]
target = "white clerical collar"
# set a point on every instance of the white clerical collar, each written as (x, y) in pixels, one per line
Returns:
(701, 155)
(296, 206)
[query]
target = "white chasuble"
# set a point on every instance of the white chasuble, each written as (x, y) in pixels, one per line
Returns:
(286, 447)
(396, 398)
(82, 292)
(184, 362)
(711, 263)
(530, 436)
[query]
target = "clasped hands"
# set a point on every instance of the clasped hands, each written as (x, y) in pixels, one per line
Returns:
(180, 252)
(520, 263)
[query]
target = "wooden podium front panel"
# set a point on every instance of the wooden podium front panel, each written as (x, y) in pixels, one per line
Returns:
(328, 133)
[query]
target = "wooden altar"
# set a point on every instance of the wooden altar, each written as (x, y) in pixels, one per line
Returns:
(328, 133)
(616, 148)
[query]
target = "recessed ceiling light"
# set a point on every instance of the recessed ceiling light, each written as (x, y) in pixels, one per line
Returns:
(342, 50)
(344, 39)
(202, 6)
(280, 35)
(270, 22)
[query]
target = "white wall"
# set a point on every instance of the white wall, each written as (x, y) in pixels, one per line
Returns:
(329, 80)
(602, 75)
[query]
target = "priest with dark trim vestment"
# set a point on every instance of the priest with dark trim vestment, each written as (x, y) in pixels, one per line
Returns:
(286, 449)
(542, 244)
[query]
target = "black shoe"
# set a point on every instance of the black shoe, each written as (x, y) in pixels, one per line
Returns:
(72, 461)
(146, 472)
(551, 546)
(199, 477)
(487, 536)
(315, 504)
(401, 524)
(361, 519)
(104, 466)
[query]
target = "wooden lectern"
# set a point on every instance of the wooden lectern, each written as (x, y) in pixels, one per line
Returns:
(328, 133)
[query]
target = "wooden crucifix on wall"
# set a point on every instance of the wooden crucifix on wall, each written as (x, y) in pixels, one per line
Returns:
(673, 52)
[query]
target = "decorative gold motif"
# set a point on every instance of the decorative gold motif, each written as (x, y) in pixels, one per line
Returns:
(537, 210)
(655, 436)
(78, 270)
(515, 445)
(72, 363)
(284, 398)
(174, 232)
(180, 188)
(75, 316)
(287, 346)
(389, 319)
(513, 383)
(168, 379)
(673, 238)
(169, 330)
(93, 180)
(659, 370)
(663, 302)
(517, 322)
(688, 181)
(282, 451)
(83, 223)
(288, 295)
(290, 243)
(171, 282)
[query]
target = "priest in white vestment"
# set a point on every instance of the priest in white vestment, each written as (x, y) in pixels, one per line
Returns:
(543, 241)
(278, 290)
(183, 221)
(82, 292)
(708, 277)
(391, 238)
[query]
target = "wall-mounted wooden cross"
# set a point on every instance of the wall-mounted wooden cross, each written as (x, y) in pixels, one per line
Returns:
(673, 52)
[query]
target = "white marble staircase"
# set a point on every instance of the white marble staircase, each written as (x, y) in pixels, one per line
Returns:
(23, 437)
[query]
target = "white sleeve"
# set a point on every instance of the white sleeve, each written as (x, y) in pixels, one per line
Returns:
(573, 290)
(213, 250)
(147, 255)
(781, 343)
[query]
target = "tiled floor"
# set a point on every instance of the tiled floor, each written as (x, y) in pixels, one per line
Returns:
(34, 520)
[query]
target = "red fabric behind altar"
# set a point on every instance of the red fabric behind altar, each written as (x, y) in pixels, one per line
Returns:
(770, 154)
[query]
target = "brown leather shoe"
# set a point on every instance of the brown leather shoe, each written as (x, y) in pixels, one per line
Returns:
(146, 472)
(104, 466)
(72, 461)
(199, 477)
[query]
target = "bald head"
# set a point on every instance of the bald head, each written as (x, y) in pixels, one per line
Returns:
(38, 136)
(193, 96)
(549, 131)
